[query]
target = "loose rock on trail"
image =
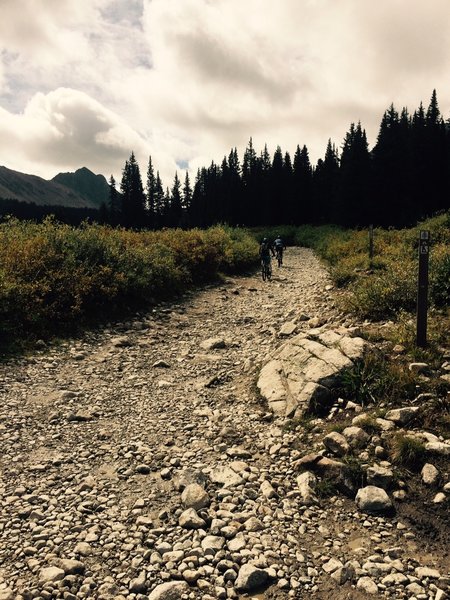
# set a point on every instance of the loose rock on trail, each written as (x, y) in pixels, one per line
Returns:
(140, 462)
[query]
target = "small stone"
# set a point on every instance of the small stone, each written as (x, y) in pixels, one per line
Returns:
(440, 498)
(143, 469)
(332, 565)
(195, 496)
(213, 343)
(430, 475)
(172, 590)
(418, 367)
(51, 574)
(139, 585)
(427, 572)
(250, 578)
(189, 519)
(161, 364)
(401, 416)
(368, 585)
(267, 490)
(336, 443)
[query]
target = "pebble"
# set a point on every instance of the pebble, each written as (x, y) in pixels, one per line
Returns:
(116, 483)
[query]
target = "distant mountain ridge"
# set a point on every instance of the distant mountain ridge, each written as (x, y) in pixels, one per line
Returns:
(82, 189)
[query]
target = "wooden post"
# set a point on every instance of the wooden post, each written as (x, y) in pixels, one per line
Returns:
(422, 289)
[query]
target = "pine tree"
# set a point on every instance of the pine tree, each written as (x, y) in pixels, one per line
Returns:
(235, 188)
(302, 186)
(114, 202)
(250, 201)
(353, 205)
(288, 206)
(159, 201)
(175, 212)
(150, 195)
(326, 184)
(436, 160)
(133, 198)
(388, 157)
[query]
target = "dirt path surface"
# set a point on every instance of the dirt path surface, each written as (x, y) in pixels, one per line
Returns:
(100, 436)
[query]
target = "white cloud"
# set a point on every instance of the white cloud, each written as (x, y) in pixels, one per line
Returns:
(66, 129)
(86, 81)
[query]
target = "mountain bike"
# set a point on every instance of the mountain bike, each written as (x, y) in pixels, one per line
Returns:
(266, 270)
(279, 254)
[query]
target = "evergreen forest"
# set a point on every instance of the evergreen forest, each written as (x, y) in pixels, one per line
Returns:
(405, 177)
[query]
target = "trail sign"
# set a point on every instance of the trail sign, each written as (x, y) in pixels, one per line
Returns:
(422, 289)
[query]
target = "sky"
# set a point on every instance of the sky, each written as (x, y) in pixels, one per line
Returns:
(86, 82)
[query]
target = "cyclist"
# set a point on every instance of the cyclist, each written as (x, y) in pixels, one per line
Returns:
(279, 247)
(265, 250)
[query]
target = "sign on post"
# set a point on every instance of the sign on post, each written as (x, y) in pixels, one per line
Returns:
(422, 289)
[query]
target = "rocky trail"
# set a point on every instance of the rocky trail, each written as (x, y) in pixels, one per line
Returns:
(141, 462)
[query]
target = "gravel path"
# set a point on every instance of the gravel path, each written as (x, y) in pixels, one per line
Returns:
(100, 436)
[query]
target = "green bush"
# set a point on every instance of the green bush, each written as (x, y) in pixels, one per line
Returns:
(374, 379)
(440, 276)
(54, 277)
(408, 452)
(381, 287)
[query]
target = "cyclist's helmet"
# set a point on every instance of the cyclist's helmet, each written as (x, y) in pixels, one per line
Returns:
(264, 239)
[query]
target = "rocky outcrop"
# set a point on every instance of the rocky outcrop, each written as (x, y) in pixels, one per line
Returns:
(303, 373)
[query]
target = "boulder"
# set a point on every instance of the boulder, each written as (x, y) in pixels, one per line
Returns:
(304, 372)
(373, 500)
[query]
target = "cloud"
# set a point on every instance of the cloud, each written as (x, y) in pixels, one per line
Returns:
(184, 81)
(66, 129)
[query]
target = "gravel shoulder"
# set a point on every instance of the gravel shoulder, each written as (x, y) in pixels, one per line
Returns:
(99, 437)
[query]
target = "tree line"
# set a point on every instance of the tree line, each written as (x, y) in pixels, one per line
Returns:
(405, 177)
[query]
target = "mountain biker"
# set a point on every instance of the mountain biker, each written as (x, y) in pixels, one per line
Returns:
(265, 250)
(279, 247)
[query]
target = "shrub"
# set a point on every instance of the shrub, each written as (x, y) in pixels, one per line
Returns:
(374, 379)
(440, 276)
(408, 452)
(370, 425)
(54, 277)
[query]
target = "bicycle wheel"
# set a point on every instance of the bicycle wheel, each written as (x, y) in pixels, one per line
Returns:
(279, 259)
(269, 272)
(263, 271)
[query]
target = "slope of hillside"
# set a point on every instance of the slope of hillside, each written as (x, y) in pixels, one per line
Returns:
(31, 188)
(85, 182)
